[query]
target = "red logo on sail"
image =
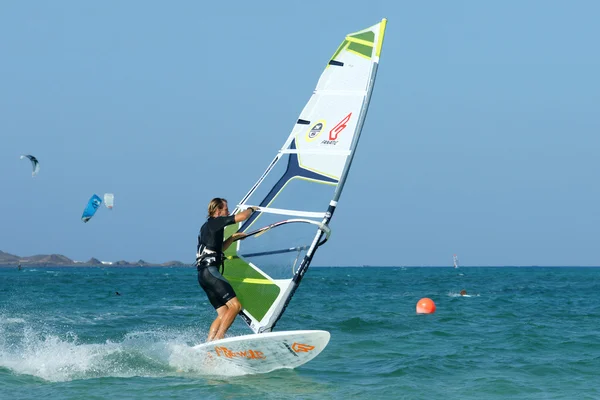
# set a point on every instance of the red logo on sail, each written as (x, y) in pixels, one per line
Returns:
(336, 130)
(302, 348)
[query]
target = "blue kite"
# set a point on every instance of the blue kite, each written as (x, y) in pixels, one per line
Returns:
(91, 208)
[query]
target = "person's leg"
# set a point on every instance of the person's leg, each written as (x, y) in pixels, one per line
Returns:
(214, 327)
(233, 308)
(219, 290)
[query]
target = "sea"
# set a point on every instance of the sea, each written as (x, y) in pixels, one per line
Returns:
(127, 333)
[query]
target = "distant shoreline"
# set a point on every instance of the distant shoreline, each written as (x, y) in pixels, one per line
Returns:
(59, 260)
(24, 266)
(8, 260)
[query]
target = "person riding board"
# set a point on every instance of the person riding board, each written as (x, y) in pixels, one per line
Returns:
(209, 257)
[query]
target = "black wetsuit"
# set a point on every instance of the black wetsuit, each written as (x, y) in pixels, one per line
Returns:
(218, 290)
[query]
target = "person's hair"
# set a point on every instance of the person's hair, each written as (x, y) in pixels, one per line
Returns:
(215, 204)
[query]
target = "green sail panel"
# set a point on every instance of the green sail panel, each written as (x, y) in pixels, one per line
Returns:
(368, 36)
(361, 49)
(254, 290)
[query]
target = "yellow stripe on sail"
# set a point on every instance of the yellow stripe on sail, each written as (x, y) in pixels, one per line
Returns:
(381, 34)
(253, 280)
(258, 281)
(359, 41)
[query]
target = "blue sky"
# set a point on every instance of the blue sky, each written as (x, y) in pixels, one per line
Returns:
(481, 138)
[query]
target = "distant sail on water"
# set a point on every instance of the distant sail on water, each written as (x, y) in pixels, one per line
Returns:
(91, 208)
(34, 163)
(109, 200)
(299, 191)
(455, 260)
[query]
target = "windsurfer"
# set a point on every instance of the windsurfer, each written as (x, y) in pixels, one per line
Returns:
(209, 257)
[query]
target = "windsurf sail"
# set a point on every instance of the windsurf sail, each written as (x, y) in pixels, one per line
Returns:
(299, 191)
(34, 163)
(109, 200)
(91, 208)
(455, 260)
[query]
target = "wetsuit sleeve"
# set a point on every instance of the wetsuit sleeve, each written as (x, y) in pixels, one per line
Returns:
(222, 222)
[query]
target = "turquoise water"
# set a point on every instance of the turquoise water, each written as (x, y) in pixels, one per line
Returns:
(527, 333)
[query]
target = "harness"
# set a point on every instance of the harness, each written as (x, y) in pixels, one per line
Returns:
(206, 258)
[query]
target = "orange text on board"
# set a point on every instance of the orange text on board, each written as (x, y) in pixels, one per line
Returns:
(252, 354)
(302, 348)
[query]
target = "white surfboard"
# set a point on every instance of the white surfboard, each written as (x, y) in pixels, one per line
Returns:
(265, 352)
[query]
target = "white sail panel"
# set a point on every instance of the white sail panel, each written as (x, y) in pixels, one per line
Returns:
(339, 117)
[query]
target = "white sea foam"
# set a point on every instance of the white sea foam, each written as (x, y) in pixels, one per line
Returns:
(65, 357)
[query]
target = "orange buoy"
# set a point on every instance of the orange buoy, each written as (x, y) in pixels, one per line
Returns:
(425, 306)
